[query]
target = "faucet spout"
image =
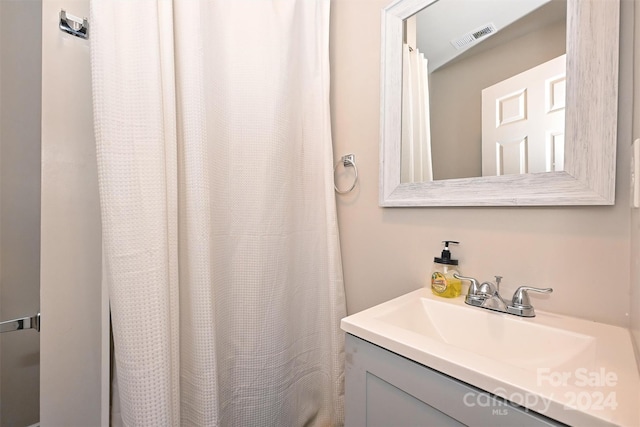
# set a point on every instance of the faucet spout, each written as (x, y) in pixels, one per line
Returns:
(495, 302)
(491, 297)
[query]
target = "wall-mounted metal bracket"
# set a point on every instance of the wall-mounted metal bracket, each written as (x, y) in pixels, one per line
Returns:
(73, 25)
(32, 322)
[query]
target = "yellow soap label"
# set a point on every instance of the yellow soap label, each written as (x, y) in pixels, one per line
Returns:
(438, 282)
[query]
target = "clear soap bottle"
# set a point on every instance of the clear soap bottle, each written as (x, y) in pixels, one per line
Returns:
(443, 283)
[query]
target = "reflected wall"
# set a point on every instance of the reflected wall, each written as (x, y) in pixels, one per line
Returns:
(456, 97)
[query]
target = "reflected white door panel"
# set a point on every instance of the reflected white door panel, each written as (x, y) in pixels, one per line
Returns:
(523, 121)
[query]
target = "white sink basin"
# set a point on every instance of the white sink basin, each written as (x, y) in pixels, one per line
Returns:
(559, 366)
(508, 338)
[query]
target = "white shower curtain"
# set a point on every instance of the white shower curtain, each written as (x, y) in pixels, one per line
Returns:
(416, 124)
(219, 224)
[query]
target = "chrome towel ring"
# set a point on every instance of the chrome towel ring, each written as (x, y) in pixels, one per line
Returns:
(348, 160)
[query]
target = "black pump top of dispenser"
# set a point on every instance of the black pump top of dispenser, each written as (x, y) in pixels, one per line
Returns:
(445, 256)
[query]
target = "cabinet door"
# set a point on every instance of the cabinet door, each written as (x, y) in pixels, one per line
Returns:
(385, 389)
(389, 405)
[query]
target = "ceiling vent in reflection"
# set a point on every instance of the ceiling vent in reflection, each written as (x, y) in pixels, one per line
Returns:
(473, 36)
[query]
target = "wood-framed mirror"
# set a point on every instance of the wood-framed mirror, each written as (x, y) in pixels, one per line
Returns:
(588, 175)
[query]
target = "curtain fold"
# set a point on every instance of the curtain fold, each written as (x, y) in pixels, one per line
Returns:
(416, 126)
(220, 234)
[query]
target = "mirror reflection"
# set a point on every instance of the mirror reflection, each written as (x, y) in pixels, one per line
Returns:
(483, 89)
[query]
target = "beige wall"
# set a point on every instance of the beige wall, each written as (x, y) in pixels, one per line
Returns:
(1, 38)
(73, 340)
(19, 206)
(635, 213)
(582, 252)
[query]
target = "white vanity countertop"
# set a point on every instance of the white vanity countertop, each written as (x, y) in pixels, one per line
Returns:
(575, 371)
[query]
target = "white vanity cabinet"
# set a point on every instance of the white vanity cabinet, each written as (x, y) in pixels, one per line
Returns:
(385, 389)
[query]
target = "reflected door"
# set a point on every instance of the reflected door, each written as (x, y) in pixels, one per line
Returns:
(523, 121)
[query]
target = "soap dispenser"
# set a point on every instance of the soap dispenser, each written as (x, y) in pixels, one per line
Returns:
(443, 283)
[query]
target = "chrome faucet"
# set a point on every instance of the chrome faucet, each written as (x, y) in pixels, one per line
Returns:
(487, 295)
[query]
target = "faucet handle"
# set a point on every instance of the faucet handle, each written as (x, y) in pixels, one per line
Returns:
(473, 288)
(521, 297)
